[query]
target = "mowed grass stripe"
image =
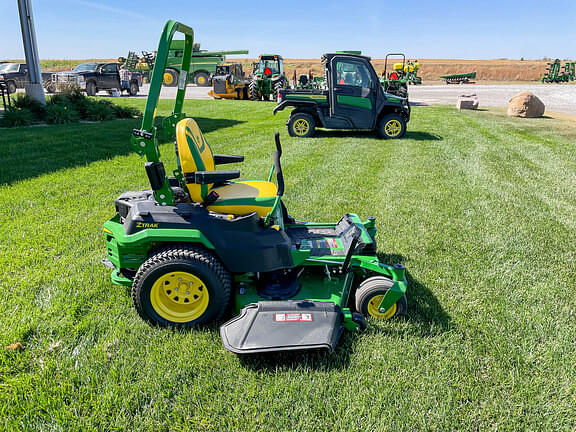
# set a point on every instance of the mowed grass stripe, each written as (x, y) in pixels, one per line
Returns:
(466, 204)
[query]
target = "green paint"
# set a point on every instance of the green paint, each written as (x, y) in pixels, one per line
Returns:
(355, 101)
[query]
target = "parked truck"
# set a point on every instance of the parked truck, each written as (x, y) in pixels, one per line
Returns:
(15, 76)
(92, 78)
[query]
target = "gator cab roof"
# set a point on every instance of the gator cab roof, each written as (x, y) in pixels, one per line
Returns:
(329, 56)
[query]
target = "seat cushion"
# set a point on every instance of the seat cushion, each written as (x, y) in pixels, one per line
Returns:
(245, 197)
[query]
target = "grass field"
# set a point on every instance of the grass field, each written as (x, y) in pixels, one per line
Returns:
(479, 207)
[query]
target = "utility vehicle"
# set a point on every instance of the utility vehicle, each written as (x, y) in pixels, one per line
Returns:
(199, 244)
(352, 98)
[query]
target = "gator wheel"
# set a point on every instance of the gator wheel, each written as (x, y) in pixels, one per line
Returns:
(170, 78)
(181, 286)
(301, 125)
(369, 295)
(254, 92)
(201, 79)
(392, 126)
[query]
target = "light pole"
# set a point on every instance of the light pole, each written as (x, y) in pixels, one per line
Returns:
(34, 89)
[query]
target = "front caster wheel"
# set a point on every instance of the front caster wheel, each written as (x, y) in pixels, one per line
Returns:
(369, 295)
(181, 286)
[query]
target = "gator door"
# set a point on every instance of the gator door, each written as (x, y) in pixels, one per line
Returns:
(353, 94)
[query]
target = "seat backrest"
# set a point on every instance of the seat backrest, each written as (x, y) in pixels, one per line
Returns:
(194, 154)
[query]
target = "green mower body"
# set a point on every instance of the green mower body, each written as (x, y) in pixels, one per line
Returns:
(290, 285)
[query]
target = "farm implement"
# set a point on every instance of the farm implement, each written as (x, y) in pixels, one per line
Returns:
(229, 82)
(307, 81)
(556, 73)
(460, 78)
(199, 244)
(267, 77)
(352, 98)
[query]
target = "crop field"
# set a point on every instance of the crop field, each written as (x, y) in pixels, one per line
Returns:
(479, 207)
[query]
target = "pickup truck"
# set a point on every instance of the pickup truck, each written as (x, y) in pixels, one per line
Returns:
(94, 77)
(16, 75)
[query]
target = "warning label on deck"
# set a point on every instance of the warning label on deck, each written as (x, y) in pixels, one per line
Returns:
(290, 317)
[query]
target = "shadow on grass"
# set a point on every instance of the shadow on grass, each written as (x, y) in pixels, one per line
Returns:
(426, 317)
(34, 151)
(424, 309)
(363, 134)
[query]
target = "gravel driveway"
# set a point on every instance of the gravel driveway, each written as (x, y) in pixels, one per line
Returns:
(556, 97)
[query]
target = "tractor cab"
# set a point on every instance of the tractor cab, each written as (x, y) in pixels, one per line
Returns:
(270, 66)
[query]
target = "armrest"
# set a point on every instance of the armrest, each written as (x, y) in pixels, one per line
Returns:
(207, 177)
(226, 159)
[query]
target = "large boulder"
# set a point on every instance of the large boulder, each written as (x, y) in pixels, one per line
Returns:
(526, 104)
(467, 102)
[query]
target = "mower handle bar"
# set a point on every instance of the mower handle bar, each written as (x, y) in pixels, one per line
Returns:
(278, 166)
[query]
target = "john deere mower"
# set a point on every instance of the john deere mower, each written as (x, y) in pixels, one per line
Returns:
(268, 77)
(200, 244)
(395, 81)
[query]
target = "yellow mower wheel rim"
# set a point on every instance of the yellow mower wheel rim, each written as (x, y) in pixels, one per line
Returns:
(179, 297)
(168, 78)
(201, 80)
(374, 311)
(393, 128)
(301, 127)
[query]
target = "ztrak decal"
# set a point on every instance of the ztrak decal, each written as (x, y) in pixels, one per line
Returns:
(146, 225)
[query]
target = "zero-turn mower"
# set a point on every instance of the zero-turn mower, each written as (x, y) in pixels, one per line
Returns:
(199, 244)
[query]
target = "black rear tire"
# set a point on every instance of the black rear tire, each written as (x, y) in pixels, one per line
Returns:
(201, 79)
(133, 91)
(156, 294)
(278, 85)
(301, 125)
(254, 93)
(392, 126)
(91, 89)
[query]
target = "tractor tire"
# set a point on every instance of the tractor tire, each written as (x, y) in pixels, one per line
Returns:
(301, 125)
(254, 92)
(201, 79)
(91, 89)
(181, 286)
(11, 87)
(170, 78)
(392, 126)
(278, 85)
(369, 295)
(133, 91)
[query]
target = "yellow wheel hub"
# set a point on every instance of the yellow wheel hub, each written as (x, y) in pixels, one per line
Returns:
(179, 297)
(301, 127)
(201, 80)
(393, 128)
(374, 312)
(168, 78)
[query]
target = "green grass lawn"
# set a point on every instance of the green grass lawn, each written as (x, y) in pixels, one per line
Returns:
(479, 207)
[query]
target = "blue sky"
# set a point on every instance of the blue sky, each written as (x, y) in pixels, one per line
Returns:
(422, 29)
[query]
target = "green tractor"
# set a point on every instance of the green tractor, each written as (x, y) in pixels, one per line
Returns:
(394, 80)
(268, 77)
(199, 244)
